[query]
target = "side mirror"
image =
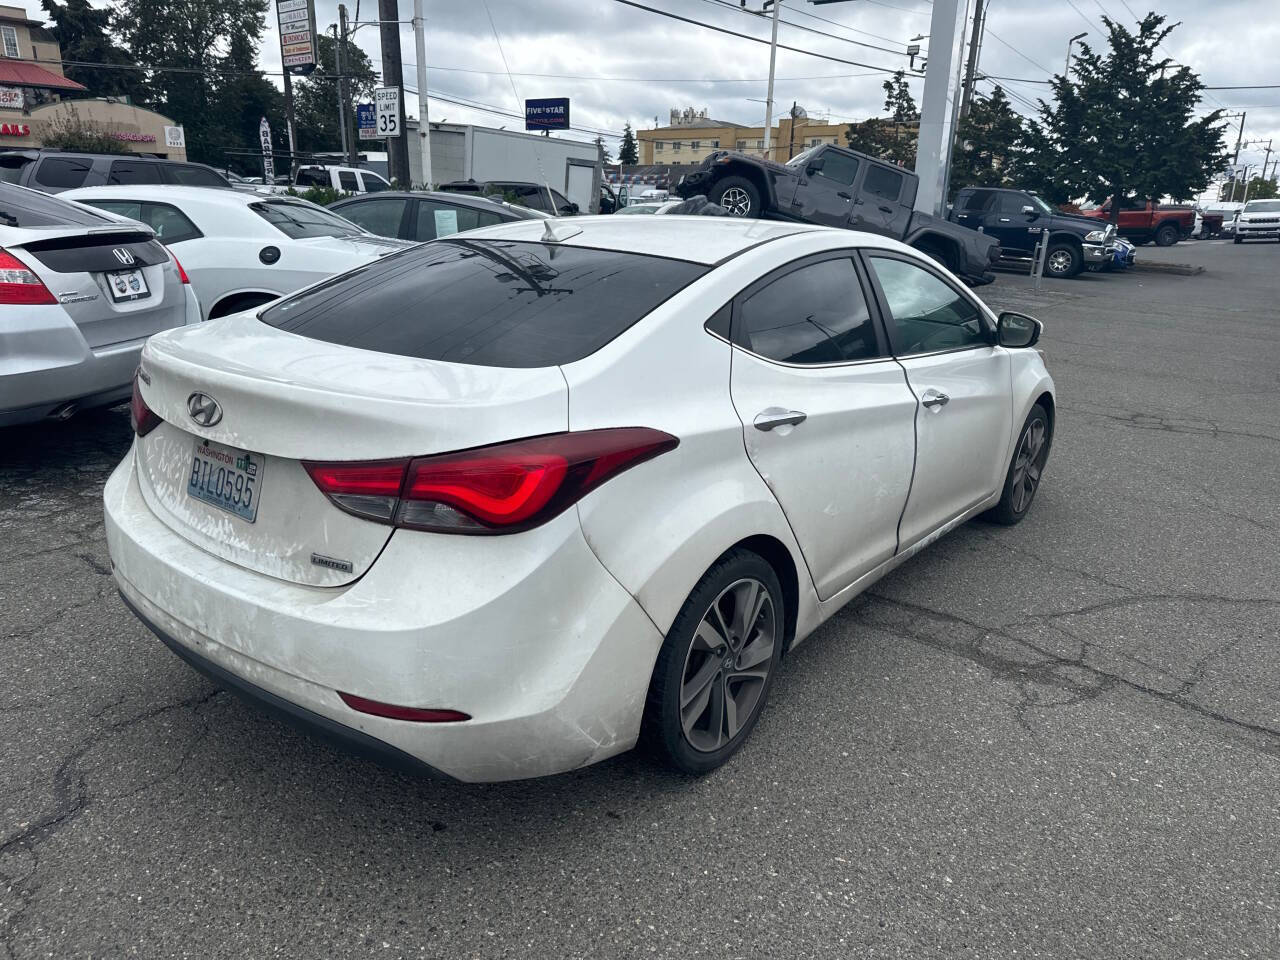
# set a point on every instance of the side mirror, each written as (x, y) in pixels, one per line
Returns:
(1018, 330)
(1030, 211)
(570, 208)
(814, 165)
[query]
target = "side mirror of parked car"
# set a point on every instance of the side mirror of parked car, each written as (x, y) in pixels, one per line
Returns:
(814, 165)
(1018, 330)
(569, 209)
(1030, 211)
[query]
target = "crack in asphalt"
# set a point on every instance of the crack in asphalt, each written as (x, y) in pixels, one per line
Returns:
(1164, 424)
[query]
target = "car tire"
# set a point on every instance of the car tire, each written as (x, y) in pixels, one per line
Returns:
(1026, 468)
(1167, 235)
(1063, 260)
(1237, 240)
(738, 196)
(715, 666)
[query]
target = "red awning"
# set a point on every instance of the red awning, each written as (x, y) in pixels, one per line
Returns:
(16, 73)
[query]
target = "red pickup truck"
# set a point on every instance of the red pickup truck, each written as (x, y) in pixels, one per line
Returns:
(1143, 220)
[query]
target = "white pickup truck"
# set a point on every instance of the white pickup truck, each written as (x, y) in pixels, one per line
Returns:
(343, 179)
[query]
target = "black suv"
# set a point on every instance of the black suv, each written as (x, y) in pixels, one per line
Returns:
(840, 188)
(53, 171)
(1016, 218)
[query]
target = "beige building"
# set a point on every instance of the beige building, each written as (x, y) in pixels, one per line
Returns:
(691, 136)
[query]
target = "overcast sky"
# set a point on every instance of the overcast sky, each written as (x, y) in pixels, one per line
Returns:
(666, 64)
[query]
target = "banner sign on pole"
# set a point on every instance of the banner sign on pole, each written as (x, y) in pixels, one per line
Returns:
(387, 102)
(367, 121)
(547, 114)
(268, 163)
(298, 45)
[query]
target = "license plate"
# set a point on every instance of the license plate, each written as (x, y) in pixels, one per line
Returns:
(127, 285)
(227, 478)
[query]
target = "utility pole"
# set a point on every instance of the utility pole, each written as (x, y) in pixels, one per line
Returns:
(288, 123)
(393, 76)
(791, 144)
(339, 36)
(424, 125)
(971, 74)
(1235, 162)
(773, 57)
(346, 94)
(938, 105)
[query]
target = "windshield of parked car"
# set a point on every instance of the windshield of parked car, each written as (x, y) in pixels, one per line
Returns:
(1262, 206)
(800, 159)
(299, 219)
(29, 208)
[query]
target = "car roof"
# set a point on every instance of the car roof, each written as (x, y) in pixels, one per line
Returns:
(456, 199)
(697, 239)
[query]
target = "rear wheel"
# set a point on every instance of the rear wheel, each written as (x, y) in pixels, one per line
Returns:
(1063, 260)
(1167, 235)
(716, 665)
(1023, 478)
(1237, 240)
(738, 196)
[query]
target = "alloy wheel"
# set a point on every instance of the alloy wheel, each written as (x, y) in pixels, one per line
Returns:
(1059, 261)
(1028, 464)
(727, 667)
(736, 202)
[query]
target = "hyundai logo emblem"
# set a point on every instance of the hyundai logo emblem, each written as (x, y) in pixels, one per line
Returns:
(204, 409)
(123, 255)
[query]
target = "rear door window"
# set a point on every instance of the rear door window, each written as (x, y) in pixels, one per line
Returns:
(347, 181)
(134, 171)
(882, 183)
(372, 182)
(192, 175)
(65, 173)
(436, 219)
(381, 216)
(486, 302)
(170, 224)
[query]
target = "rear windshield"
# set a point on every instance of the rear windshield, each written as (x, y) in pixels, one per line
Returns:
(29, 208)
(299, 219)
(492, 303)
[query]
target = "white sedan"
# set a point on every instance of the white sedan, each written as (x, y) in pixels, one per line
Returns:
(450, 510)
(241, 250)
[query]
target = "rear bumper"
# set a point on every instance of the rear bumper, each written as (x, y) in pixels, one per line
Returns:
(538, 643)
(36, 379)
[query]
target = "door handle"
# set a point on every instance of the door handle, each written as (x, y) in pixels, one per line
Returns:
(778, 417)
(886, 209)
(1004, 219)
(933, 398)
(841, 193)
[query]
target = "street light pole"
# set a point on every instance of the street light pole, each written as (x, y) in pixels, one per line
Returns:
(773, 57)
(424, 125)
(1070, 43)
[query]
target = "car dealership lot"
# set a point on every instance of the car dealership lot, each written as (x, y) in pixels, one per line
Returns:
(1052, 740)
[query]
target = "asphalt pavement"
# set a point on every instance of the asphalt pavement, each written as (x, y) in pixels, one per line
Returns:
(1055, 740)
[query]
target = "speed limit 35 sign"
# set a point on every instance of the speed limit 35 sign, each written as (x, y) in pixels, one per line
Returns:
(387, 102)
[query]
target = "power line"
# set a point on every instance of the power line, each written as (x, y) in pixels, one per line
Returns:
(845, 26)
(746, 36)
(1001, 40)
(800, 26)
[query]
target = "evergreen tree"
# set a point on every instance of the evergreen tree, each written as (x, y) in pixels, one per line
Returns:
(988, 144)
(243, 98)
(84, 35)
(891, 138)
(1258, 189)
(627, 152)
(315, 99)
(604, 150)
(1124, 125)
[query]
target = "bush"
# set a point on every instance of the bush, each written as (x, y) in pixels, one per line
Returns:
(320, 195)
(70, 132)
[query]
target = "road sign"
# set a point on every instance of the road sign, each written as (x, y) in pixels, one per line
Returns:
(547, 114)
(387, 102)
(175, 137)
(298, 46)
(268, 163)
(367, 121)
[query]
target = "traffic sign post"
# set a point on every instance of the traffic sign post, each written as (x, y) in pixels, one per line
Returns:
(386, 100)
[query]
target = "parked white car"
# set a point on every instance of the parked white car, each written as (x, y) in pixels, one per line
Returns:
(79, 293)
(515, 533)
(242, 250)
(1258, 220)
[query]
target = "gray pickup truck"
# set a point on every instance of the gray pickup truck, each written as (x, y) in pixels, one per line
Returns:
(836, 187)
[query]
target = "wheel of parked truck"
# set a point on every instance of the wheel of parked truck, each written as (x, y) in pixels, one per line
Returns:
(1063, 260)
(1167, 235)
(1237, 240)
(738, 196)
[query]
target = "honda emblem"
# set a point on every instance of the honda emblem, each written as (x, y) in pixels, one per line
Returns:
(204, 409)
(123, 255)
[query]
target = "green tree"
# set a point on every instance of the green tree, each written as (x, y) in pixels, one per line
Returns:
(243, 98)
(1124, 125)
(627, 152)
(84, 35)
(315, 99)
(894, 137)
(191, 39)
(988, 144)
(1258, 189)
(604, 150)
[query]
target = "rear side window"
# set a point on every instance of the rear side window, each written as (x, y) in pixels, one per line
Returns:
(298, 219)
(882, 182)
(816, 314)
(486, 302)
(347, 181)
(131, 171)
(437, 219)
(380, 216)
(310, 177)
(190, 175)
(64, 172)
(11, 168)
(373, 183)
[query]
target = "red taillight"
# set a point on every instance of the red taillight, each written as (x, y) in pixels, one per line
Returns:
(390, 710)
(182, 274)
(19, 285)
(143, 418)
(496, 489)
